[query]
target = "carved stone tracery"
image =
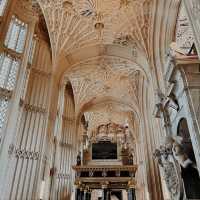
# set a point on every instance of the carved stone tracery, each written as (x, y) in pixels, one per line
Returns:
(184, 33)
(170, 171)
(23, 153)
(83, 17)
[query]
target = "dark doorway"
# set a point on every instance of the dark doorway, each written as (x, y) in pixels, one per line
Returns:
(190, 174)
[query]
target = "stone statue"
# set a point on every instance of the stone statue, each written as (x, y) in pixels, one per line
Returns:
(111, 129)
(102, 130)
(130, 159)
(78, 159)
(170, 156)
(175, 144)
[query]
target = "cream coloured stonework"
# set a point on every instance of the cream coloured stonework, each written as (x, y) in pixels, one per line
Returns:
(97, 62)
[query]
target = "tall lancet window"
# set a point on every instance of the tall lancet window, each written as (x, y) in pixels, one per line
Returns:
(3, 4)
(16, 35)
(8, 71)
(10, 59)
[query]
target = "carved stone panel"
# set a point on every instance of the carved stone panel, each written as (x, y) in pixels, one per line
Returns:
(170, 171)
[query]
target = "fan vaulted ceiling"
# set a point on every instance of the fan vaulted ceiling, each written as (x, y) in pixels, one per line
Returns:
(106, 89)
(78, 25)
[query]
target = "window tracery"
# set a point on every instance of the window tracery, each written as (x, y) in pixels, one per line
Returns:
(8, 71)
(10, 63)
(3, 110)
(16, 35)
(184, 33)
(3, 4)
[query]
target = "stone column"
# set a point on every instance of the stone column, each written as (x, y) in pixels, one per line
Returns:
(131, 191)
(81, 196)
(77, 193)
(108, 195)
(89, 194)
(124, 195)
(85, 195)
(131, 194)
(104, 191)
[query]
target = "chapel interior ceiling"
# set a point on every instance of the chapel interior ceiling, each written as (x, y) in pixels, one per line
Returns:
(74, 24)
(78, 24)
(106, 90)
(102, 83)
(110, 86)
(106, 80)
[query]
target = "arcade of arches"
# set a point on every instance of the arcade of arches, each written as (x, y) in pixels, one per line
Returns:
(99, 99)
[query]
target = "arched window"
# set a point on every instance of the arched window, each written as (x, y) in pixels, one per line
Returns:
(3, 4)
(8, 71)
(10, 60)
(184, 34)
(16, 35)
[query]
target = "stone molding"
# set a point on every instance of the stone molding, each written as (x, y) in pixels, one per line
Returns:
(170, 171)
(23, 153)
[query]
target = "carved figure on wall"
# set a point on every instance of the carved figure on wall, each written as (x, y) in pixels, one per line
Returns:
(111, 129)
(86, 156)
(113, 132)
(120, 131)
(102, 130)
(125, 156)
(130, 159)
(175, 144)
(78, 159)
(169, 169)
(180, 156)
(173, 102)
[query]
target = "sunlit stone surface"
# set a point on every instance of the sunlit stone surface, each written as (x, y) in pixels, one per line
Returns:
(99, 99)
